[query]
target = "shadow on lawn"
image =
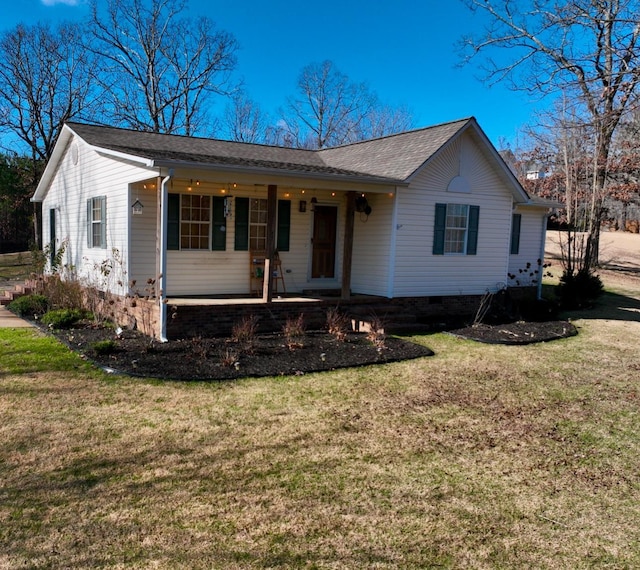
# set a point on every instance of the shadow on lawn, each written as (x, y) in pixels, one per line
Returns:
(612, 306)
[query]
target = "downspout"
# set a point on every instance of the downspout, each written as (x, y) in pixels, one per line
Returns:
(392, 246)
(163, 256)
(543, 242)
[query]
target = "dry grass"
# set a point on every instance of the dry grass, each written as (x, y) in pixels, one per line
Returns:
(15, 265)
(480, 457)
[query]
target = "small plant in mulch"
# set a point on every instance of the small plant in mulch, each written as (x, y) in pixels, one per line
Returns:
(62, 318)
(243, 333)
(337, 324)
(29, 305)
(104, 347)
(199, 347)
(294, 332)
(229, 358)
(376, 334)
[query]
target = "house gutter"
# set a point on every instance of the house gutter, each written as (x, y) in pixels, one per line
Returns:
(163, 255)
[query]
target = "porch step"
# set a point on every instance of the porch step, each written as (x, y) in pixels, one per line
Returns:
(18, 290)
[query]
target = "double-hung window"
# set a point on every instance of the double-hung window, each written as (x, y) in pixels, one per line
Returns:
(456, 229)
(258, 224)
(251, 224)
(97, 222)
(195, 221)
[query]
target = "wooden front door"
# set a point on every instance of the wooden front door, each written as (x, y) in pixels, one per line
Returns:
(323, 259)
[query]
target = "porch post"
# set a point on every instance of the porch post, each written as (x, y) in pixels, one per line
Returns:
(272, 203)
(347, 247)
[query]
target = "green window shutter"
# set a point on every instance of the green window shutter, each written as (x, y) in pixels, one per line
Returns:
(103, 222)
(242, 224)
(52, 236)
(173, 221)
(439, 229)
(472, 232)
(219, 228)
(89, 223)
(284, 225)
(516, 222)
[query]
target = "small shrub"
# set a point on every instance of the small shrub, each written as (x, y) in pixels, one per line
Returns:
(29, 305)
(337, 324)
(229, 358)
(244, 333)
(102, 347)
(62, 318)
(579, 290)
(294, 331)
(376, 334)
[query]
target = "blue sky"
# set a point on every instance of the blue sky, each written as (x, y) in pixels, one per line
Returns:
(403, 49)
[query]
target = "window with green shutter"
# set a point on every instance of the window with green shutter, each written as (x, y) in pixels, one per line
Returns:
(97, 222)
(241, 224)
(219, 228)
(456, 229)
(173, 221)
(516, 222)
(284, 225)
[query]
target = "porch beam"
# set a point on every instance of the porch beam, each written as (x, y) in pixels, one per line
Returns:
(347, 247)
(272, 203)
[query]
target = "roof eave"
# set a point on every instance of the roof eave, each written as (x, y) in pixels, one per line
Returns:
(289, 173)
(52, 164)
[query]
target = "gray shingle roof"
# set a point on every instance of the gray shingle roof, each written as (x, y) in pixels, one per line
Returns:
(394, 158)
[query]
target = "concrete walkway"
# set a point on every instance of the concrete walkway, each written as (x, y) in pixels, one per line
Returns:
(10, 320)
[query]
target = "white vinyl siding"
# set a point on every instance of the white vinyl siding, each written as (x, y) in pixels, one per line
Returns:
(417, 270)
(532, 224)
(72, 186)
(372, 238)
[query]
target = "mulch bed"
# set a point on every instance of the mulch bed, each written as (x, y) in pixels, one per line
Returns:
(517, 333)
(221, 359)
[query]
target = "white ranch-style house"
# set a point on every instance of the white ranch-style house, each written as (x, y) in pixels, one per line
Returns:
(429, 219)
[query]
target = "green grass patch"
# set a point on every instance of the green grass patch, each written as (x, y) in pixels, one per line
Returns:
(482, 456)
(24, 351)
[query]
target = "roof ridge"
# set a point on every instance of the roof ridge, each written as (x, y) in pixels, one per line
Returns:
(70, 124)
(402, 133)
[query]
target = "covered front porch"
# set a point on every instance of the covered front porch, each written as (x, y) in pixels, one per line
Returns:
(200, 235)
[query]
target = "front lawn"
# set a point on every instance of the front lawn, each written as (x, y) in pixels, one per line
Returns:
(482, 456)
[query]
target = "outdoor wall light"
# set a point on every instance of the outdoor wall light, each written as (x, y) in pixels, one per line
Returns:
(302, 206)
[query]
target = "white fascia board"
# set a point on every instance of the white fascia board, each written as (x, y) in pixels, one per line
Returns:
(52, 164)
(376, 181)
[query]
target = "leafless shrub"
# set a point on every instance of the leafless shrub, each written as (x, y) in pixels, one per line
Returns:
(376, 334)
(294, 331)
(337, 324)
(243, 333)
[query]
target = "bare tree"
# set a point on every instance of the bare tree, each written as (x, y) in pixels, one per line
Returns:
(329, 109)
(586, 49)
(244, 121)
(45, 80)
(159, 69)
